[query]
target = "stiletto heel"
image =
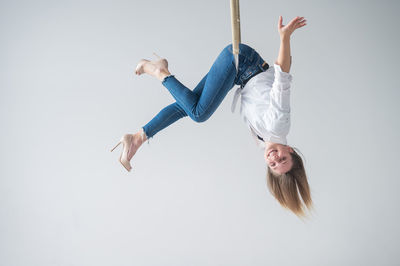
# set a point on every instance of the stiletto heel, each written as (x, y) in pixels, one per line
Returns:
(157, 55)
(161, 61)
(116, 146)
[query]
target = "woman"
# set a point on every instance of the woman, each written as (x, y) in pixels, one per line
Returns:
(265, 108)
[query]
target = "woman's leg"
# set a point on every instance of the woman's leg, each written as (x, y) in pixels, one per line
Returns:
(202, 102)
(169, 114)
(163, 119)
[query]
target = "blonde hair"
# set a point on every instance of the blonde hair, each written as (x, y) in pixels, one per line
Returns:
(287, 187)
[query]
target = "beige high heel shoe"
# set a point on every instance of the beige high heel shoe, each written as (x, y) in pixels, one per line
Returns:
(160, 64)
(127, 141)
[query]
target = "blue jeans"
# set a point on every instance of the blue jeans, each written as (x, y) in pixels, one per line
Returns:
(202, 102)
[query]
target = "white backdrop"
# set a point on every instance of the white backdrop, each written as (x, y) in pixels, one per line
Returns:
(197, 194)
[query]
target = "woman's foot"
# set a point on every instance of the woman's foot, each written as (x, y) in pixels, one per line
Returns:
(157, 69)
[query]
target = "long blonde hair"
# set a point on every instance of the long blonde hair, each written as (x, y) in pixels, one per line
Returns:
(287, 187)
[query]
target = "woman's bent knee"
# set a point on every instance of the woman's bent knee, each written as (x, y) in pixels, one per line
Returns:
(228, 48)
(201, 118)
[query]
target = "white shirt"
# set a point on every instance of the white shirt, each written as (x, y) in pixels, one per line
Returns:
(265, 105)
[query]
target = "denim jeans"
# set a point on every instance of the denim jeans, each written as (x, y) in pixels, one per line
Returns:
(205, 98)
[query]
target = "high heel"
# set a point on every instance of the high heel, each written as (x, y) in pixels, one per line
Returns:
(157, 55)
(127, 141)
(161, 61)
(115, 146)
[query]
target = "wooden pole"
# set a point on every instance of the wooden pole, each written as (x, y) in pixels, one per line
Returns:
(235, 21)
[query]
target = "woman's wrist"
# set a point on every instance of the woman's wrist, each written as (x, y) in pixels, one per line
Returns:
(285, 37)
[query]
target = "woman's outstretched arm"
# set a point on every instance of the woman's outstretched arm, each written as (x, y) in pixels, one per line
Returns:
(284, 57)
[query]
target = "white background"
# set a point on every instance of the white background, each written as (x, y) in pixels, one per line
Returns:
(197, 194)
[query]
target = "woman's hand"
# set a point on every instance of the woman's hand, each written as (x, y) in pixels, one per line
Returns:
(286, 30)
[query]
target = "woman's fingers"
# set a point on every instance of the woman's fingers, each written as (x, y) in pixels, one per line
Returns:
(294, 21)
(298, 22)
(301, 20)
(294, 24)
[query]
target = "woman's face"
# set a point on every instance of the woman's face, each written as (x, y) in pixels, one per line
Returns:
(278, 158)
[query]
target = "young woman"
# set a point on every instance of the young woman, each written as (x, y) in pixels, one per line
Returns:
(265, 107)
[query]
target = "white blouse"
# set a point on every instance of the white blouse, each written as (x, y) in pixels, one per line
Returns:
(265, 105)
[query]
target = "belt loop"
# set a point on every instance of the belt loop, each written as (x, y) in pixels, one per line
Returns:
(264, 66)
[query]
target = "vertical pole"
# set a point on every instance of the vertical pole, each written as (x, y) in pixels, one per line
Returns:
(235, 21)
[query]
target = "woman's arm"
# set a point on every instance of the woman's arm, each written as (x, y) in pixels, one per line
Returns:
(278, 113)
(284, 59)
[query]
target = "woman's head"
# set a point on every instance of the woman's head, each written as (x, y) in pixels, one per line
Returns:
(278, 158)
(287, 179)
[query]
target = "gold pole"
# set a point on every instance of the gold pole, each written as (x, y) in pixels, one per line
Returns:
(235, 21)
